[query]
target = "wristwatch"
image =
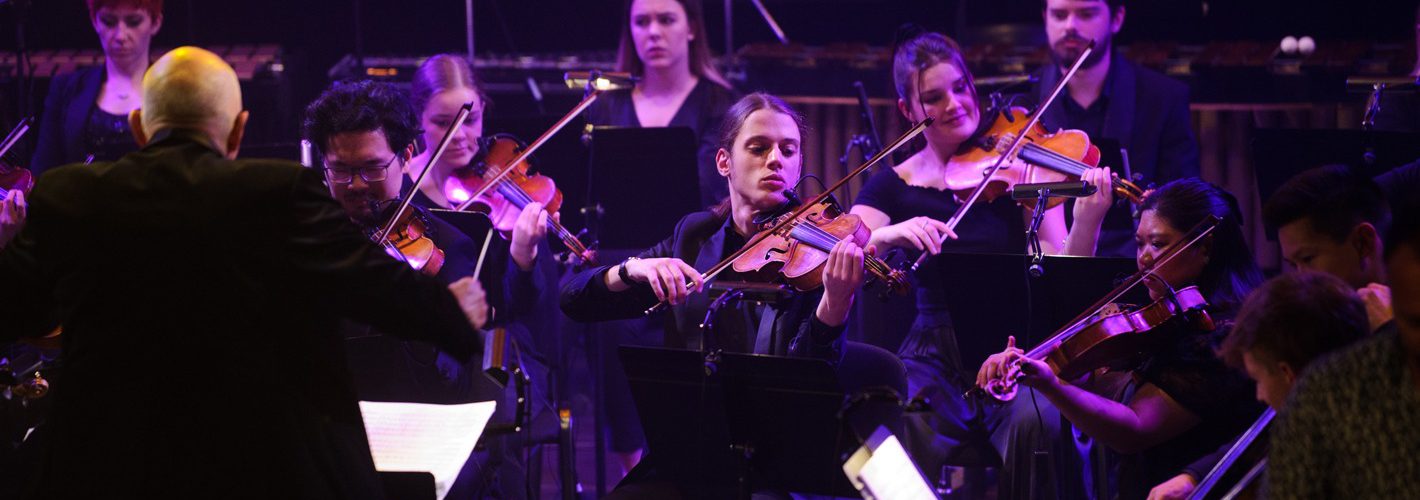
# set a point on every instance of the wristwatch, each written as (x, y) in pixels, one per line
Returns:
(621, 270)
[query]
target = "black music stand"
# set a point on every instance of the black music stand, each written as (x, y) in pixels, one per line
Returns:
(644, 180)
(991, 296)
(756, 423)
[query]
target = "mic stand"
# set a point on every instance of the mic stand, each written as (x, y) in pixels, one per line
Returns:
(868, 142)
(1042, 192)
(1037, 256)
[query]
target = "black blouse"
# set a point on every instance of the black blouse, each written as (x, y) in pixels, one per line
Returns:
(995, 227)
(702, 112)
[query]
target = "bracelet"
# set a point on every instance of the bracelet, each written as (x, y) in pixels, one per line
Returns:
(621, 270)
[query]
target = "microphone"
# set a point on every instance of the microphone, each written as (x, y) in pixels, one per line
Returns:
(1074, 189)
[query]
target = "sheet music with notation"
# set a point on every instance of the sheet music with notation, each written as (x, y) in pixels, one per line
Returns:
(413, 437)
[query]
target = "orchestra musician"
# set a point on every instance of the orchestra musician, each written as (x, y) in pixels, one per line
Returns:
(908, 205)
(86, 111)
(664, 43)
(1350, 426)
(1115, 98)
(199, 296)
(519, 272)
(761, 160)
(1180, 403)
(1283, 325)
(1331, 220)
(354, 125)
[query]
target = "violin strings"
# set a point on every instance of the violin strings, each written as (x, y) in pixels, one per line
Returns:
(1077, 166)
(520, 198)
(824, 241)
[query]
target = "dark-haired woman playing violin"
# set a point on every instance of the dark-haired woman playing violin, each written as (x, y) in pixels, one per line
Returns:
(1181, 402)
(760, 159)
(908, 207)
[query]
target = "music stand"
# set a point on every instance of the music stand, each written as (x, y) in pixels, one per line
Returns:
(644, 180)
(990, 297)
(758, 422)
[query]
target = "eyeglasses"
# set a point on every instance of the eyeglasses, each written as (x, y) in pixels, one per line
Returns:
(341, 175)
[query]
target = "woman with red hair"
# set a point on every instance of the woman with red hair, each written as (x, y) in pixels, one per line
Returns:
(86, 112)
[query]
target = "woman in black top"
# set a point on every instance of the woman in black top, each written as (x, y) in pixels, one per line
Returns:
(907, 207)
(86, 112)
(663, 42)
(1182, 401)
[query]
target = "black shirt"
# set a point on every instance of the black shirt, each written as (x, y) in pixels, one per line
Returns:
(700, 239)
(702, 112)
(1090, 119)
(1190, 372)
(996, 227)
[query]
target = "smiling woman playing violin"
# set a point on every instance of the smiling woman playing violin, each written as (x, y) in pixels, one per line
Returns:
(1181, 401)
(908, 207)
(760, 158)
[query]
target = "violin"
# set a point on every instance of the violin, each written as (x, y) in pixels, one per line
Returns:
(404, 235)
(1117, 340)
(512, 188)
(799, 241)
(799, 246)
(408, 240)
(14, 177)
(504, 170)
(1064, 155)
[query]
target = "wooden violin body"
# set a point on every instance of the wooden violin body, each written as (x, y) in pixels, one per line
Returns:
(408, 240)
(1115, 340)
(515, 188)
(800, 249)
(1042, 157)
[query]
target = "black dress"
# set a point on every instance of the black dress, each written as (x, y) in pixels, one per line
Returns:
(702, 112)
(995, 227)
(1191, 373)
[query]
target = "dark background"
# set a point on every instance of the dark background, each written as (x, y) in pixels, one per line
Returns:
(316, 33)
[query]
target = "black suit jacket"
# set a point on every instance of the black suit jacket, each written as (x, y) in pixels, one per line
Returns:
(1148, 114)
(72, 96)
(199, 298)
(698, 240)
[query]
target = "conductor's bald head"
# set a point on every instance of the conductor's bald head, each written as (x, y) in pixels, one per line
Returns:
(192, 88)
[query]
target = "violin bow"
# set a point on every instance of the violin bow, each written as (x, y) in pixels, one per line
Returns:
(462, 115)
(10, 140)
(592, 94)
(1010, 151)
(806, 206)
(15, 135)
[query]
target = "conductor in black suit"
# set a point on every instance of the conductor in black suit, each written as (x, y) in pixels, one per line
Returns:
(199, 297)
(1114, 98)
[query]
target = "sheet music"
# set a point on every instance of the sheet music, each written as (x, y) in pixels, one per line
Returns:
(886, 472)
(413, 437)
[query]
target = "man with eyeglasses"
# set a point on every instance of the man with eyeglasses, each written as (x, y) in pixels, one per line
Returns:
(365, 133)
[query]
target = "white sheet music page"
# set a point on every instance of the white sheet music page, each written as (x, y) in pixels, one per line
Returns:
(413, 437)
(886, 472)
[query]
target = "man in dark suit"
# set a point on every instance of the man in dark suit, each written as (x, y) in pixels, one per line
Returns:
(199, 297)
(1113, 98)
